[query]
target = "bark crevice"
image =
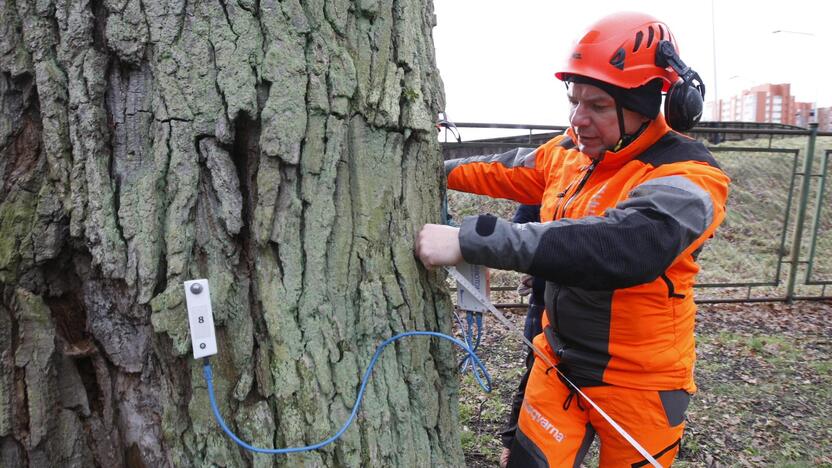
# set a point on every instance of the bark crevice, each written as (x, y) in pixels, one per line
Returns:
(266, 145)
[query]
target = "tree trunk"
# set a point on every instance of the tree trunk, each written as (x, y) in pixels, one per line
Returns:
(285, 151)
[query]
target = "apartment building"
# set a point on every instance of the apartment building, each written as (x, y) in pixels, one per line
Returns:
(769, 103)
(825, 119)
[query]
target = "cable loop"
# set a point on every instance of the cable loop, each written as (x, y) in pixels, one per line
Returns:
(209, 380)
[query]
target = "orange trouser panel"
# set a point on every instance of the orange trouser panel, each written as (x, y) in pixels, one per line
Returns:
(560, 434)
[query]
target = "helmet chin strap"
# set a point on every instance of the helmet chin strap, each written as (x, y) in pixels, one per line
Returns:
(625, 139)
(621, 140)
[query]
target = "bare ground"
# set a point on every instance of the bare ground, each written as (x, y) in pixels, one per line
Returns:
(764, 373)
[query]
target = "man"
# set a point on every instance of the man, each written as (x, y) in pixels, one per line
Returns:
(627, 205)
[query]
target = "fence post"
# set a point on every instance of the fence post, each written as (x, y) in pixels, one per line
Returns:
(801, 210)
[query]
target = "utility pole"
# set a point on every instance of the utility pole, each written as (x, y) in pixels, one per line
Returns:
(717, 109)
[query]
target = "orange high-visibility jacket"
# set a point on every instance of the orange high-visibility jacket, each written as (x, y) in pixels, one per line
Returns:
(617, 247)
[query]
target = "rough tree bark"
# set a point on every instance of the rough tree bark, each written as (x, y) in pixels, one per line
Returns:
(283, 149)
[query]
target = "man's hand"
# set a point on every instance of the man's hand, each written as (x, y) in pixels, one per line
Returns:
(504, 457)
(525, 286)
(438, 245)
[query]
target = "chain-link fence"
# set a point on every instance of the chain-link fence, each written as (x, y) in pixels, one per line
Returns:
(776, 241)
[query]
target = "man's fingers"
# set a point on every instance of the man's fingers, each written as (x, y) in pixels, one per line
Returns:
(417, 247)
(437, 245)
(504, 456)
(422, 250)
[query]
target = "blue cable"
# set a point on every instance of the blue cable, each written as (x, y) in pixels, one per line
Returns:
(209, 379)
(471, 339)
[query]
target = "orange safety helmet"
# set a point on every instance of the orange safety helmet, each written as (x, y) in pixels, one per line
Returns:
(620, 49)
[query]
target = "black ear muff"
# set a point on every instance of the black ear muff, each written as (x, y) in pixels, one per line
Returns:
(683, 106)
(685, 99)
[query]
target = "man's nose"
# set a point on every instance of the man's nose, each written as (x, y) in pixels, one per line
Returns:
(579, 116)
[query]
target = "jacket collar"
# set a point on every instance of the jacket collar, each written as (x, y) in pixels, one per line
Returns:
(614, 159)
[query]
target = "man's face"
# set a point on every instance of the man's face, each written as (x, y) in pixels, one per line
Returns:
(593, 117)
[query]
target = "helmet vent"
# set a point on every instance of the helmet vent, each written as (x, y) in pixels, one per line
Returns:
(650, 35)
(639, 37)
(661, 32)
(617, 60)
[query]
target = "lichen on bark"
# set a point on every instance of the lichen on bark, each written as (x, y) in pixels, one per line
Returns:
(285, 151)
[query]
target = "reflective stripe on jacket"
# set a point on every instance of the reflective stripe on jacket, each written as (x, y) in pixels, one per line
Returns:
(617, 245)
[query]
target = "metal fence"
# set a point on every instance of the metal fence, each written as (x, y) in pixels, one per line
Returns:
(776, 241)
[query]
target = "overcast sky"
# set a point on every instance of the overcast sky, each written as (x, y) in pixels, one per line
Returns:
(497, 58)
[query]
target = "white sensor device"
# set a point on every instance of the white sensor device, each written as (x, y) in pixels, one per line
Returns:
(477, 275)
(200, 318)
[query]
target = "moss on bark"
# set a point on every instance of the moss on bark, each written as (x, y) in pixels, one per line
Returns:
(282, 149)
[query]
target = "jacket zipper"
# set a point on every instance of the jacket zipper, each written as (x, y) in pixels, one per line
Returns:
(553, 318)
(581, 185)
